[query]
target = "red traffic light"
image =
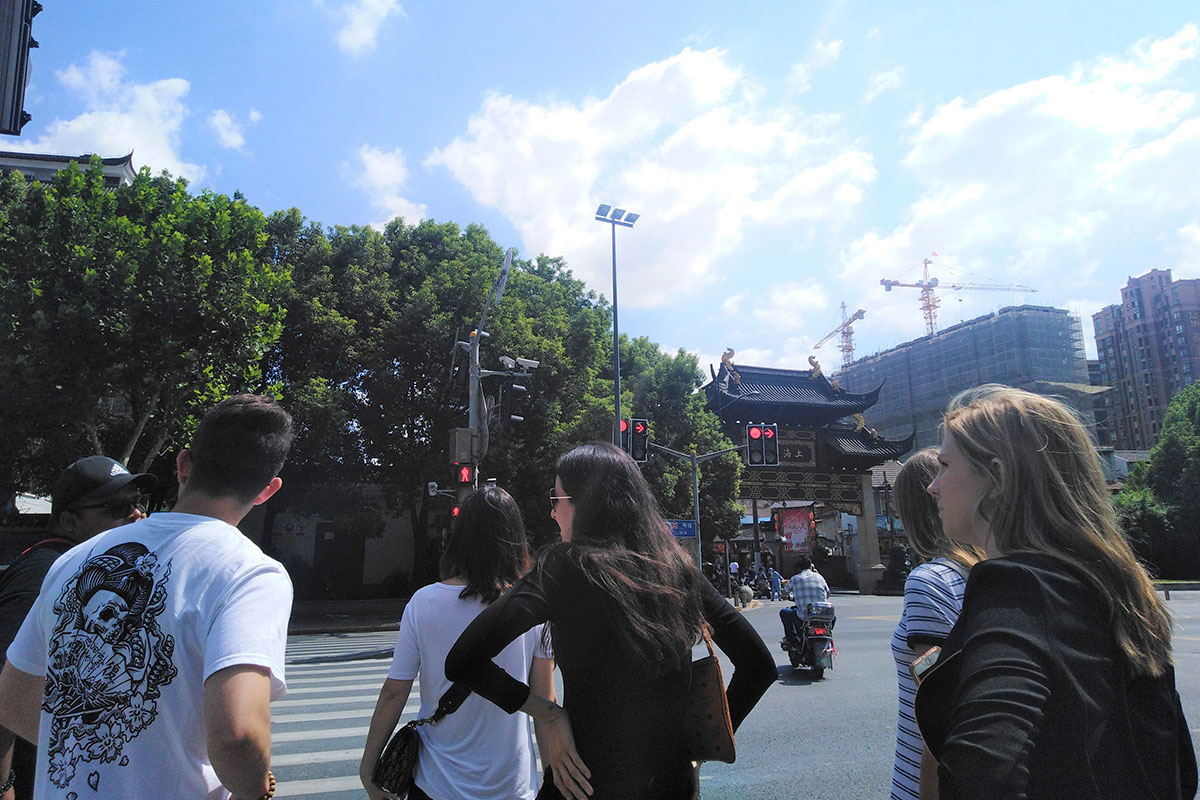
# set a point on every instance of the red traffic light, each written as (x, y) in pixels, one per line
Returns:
(768, 432)
(754, 432)
(454, 511)
(640, 427)
(624, 425)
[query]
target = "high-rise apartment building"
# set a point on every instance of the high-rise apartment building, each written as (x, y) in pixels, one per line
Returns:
(1029, 347)
(1148, 348)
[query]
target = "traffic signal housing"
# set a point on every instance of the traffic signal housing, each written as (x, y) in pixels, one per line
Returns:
(625, 437)
(762, 444)
(464, 475)
(754, 445)
(512, 403)
(16, 40)
(770, 445)
(639, 442)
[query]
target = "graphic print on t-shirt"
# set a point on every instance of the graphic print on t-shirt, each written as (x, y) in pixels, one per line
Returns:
(108, 659)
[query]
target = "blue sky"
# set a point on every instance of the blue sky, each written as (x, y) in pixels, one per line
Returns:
(784, 156)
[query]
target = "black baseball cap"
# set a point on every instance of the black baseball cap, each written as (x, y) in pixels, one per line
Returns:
(94, 476)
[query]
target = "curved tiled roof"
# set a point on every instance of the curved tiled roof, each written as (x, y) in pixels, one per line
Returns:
(784, 396)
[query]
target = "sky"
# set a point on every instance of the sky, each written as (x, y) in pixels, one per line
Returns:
(785, 157)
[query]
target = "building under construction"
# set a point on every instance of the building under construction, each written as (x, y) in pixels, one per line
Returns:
(1030, 347)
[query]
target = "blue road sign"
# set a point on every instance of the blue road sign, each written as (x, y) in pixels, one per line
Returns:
(683, 528)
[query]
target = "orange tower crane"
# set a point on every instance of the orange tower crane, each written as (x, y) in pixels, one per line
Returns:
(847, 332)
(930, 301)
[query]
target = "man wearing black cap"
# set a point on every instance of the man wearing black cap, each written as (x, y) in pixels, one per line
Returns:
(89, 497)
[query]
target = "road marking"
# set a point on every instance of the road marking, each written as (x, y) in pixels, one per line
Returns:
(306, 689)
(327, 701)
(320, 757)
(318, 786)
(283, 719)
(321, 734)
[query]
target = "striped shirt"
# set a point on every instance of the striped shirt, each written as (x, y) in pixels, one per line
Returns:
(933, 596)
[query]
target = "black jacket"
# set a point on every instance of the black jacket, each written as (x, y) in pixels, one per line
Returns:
(1028, 699)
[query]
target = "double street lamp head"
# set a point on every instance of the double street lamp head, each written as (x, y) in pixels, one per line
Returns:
(616, 216)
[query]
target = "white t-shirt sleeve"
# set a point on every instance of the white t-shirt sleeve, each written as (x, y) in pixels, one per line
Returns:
(250, 625)
(406, 660)
(27, 651)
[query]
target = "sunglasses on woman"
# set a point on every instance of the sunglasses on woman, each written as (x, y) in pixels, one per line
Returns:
(121, 507)
(554, 498)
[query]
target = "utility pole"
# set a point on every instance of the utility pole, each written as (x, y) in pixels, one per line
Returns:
(695, 462)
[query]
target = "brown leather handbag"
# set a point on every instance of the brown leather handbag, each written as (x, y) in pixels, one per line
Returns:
(707, 729)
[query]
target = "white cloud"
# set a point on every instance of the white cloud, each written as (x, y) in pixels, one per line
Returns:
(383, 176)
(688, 142)
(1044, 182)
(120, 115)
(824, 54)
(793, 305)
(359, 35)
(255, 116)
(1187, 264)
(883, 82)
(228, 132)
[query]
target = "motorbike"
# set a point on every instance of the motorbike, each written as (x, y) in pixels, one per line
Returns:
(815, 650)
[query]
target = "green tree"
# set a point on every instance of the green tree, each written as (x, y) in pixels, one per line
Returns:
(125, 311)
(1159, 506)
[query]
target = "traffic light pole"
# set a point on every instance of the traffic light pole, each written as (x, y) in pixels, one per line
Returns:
(696, 461)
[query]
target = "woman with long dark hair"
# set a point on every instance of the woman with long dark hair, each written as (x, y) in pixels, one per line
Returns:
(478, 751)
(624, 605)
(1057, 680)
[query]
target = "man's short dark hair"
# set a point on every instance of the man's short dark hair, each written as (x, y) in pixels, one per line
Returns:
(803, 563)
(239, 446)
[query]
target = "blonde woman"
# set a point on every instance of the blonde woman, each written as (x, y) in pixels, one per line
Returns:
(933, 597)
(1057, 680)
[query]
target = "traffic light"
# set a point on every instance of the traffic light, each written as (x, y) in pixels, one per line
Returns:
(770, 440)
(639, 442)
(16, 40)
(464, 475)
(625, 438)
(754, 445)
(512, 403)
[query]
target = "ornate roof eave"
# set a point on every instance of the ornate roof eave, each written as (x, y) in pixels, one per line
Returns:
(862, 446)
(800, 397)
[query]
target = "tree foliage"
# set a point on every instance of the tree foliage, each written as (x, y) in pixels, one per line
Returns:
(124, 312)
(1159, 507)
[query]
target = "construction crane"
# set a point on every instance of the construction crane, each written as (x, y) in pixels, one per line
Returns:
(930, 301)
(847, 333)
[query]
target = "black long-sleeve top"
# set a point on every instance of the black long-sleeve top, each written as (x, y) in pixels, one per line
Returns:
(626, 723)
(1030, 700)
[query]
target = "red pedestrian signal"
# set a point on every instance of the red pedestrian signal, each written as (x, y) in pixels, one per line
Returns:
(464, 474)
(454, 511)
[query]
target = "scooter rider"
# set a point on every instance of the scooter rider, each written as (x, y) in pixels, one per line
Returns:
(806, 586)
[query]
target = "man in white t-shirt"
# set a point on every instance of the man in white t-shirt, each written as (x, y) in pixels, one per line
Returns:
(147, 664)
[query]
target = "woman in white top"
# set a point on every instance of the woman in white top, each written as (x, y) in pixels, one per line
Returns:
(479, 751)
(933, 599)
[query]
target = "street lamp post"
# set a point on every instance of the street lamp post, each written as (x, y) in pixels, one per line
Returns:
(615, 217)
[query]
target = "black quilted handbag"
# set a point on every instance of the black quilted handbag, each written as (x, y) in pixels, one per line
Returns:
(394, 770)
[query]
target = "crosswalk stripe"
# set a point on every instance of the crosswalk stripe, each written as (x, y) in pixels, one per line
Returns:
(320, 757)
(327, 701)
(283, 719)
(306, 689)
(317, 786)
(321, 734)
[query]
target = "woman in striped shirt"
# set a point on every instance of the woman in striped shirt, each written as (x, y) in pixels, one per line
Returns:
(933, 597)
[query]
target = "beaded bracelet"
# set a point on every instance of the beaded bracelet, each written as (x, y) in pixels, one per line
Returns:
(270, 787)
(8, 784)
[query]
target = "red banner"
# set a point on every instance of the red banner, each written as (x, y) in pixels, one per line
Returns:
(796, 529)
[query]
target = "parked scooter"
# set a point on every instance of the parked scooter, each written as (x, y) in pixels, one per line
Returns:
(814, 651)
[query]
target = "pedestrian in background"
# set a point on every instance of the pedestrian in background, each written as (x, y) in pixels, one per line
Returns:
(933, 594)
(776, 583)
(1057, 681)
(478, 751)
(90, 496)
(625, 606)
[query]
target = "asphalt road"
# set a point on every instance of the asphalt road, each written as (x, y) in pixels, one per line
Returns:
(827, 740)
